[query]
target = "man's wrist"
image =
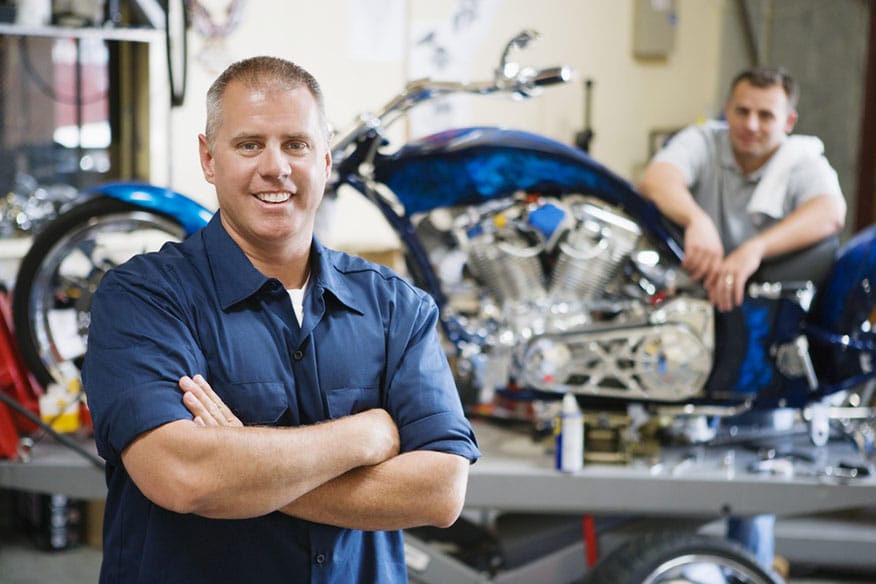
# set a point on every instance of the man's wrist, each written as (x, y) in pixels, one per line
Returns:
(755, 246)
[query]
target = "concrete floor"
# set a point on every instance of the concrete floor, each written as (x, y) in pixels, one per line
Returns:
(21, 562)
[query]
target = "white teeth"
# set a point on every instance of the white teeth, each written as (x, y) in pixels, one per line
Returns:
(274, 197)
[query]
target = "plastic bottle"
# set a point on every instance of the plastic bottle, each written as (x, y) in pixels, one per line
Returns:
(570, 439)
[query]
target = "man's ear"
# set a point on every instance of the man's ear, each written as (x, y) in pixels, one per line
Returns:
(790, 121)
(206, 158)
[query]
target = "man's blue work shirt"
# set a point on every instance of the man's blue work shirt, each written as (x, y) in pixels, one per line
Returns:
(368, 340)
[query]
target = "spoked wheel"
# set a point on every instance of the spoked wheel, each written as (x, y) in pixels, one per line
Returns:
(680, 558)
(57, 278)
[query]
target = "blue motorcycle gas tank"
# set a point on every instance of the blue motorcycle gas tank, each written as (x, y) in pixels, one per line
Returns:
(468, 166)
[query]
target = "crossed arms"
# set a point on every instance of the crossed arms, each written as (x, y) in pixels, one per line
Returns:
(346, 472)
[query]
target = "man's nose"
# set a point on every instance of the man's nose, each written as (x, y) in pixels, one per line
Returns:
(273, 163)
(752, 122)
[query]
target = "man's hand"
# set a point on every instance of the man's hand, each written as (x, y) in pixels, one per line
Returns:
(703, 251)
(378, 430)
(726, 286)
(206, 407)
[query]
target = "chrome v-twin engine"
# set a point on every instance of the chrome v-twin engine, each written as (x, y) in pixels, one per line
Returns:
(563, 295)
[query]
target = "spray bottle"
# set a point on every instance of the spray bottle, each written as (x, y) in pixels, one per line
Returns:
(570, 438)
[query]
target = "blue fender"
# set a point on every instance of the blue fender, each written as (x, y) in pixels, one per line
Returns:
(844, 311)
(191, 215)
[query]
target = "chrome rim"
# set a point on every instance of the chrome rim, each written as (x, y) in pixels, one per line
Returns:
(60, 297)
(704, 568)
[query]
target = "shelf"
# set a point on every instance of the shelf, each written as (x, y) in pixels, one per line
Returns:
(106, 33)
(55, 469)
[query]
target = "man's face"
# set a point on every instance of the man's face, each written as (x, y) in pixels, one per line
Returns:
(759, 118)
(269, 163)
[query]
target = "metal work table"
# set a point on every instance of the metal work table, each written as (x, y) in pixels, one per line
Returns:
(517, 474)
(701, 484)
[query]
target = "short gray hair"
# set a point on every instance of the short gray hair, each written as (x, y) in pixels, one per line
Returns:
(260, 73)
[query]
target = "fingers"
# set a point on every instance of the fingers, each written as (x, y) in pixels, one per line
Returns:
(726, 290)
(700, 266)
(726, 286)
(206, 406)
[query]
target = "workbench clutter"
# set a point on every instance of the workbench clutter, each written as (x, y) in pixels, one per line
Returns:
(63, 406)
(594, 436)
(54, 522)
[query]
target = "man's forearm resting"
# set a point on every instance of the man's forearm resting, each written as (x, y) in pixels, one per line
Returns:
(815, 220)
(664, 184)
(412, 489)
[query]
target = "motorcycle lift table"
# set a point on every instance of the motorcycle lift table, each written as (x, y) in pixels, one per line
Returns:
(825, 518)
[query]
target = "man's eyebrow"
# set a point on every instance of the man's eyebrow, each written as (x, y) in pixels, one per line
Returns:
(246, 136)
(305, 136)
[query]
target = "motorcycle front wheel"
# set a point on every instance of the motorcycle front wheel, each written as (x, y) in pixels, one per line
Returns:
(51, 303)
(679, 558)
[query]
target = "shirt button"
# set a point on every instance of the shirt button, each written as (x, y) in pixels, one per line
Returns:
(320, 559)
(297, 355)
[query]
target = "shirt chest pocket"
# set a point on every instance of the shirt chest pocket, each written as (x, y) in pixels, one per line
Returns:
(257, 403)
(345, 401)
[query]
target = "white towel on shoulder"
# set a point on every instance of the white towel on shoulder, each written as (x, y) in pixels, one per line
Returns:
(769, 195)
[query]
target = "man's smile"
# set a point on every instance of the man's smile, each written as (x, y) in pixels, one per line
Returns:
(274, 196)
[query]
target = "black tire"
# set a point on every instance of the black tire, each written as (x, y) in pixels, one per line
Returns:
(51, 302)
(663, 557)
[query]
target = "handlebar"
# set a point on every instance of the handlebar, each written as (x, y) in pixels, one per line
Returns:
(553, 76)
(509, 78)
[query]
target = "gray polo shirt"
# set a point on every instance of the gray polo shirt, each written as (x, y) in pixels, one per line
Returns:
(704, 156)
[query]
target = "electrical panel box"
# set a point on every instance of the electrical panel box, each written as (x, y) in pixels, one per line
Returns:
(654, 28)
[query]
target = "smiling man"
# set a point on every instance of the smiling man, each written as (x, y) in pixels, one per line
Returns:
(270, 410)
(745, 192)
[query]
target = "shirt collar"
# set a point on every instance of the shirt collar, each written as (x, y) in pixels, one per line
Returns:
(236, 279)
(328, 271)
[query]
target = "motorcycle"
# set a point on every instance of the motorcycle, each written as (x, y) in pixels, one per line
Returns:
(553, 274)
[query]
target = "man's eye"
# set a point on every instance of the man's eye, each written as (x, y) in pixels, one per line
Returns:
(248, 146)
(297, 146)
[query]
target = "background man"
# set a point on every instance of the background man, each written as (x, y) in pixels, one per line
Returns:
(744, 191)
(753, 201)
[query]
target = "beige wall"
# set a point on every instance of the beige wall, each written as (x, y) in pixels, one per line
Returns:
(630, 96)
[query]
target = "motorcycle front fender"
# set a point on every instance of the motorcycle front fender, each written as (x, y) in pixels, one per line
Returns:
(190, 214)
(842, 325)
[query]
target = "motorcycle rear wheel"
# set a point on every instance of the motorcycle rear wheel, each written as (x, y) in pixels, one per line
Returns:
(679, 558)
(58, 276)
